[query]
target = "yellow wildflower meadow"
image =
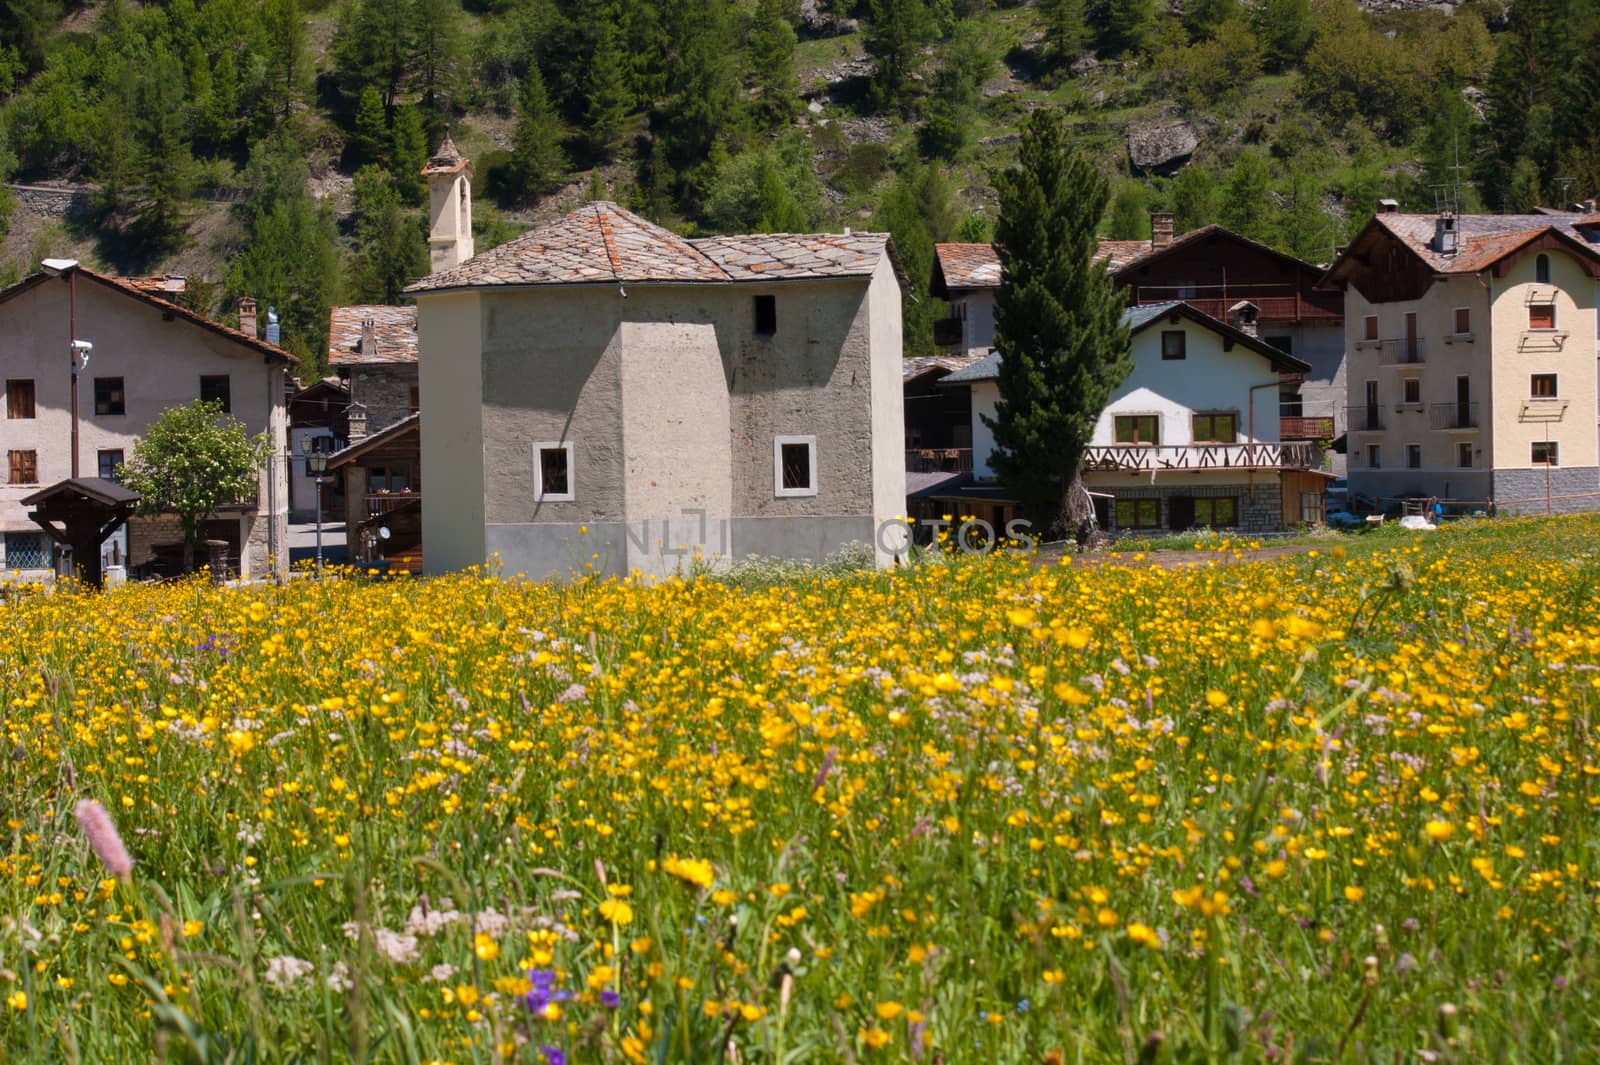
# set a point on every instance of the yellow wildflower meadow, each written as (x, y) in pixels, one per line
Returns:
(990, 810)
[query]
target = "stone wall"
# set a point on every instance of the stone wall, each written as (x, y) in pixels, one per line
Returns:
(385, 390)
(1262, 514)
(1581, 482)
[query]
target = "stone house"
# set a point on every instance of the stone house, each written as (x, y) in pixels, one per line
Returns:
(374, 350)
(606, 396)
(149, 354)
(1190, 439)
(1472, 366)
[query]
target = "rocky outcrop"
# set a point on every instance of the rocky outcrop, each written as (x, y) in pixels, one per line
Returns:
(815, 22)
(1162, 149)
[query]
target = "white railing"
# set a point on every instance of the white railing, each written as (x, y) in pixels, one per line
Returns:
(1138, 458)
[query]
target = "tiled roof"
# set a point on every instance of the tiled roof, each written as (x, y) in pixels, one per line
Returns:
(986, 368)
(132, 288)
(967, 266)
(602, 243)
(1119, 253)
(447, 160)
(165, 286)
(917, 365)
(794, 256)
(396, 329)
(1481, 239)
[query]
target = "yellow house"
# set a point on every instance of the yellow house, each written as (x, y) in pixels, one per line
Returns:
(1471, 345)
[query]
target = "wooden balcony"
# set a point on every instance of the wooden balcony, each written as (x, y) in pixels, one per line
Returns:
(1134, 458)
(380, 503)
(939, 460)
(1298, 428)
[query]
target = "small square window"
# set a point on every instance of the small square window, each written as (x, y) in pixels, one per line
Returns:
(1541, 316)
(794, 466)
(766, 315)
(1137, 428)
(1463, 321)
(108, 396)
(19, 398)
(1545, 453)
(1464, 456)
(1216, 428)
(1174, 344)
(552, 472)
(110, 465)
(1369, 327)
(1543, 386)
(1412, 390)
(214, 388)
(1413, 456)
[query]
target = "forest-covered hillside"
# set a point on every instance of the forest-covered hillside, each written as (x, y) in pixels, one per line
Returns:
(272, 147)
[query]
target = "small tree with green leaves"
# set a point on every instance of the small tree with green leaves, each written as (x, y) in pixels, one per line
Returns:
(1059, 329)
(193, 461)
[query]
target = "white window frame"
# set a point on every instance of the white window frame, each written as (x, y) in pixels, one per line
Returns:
(1544, 399)
(1555, 316)
(1404, 402)
(1555, 444)
(1453, 330)
(539, 494)
(778, 490)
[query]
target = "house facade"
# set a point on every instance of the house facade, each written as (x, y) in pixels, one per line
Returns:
(605, 396)
(1190, 439)
(374, 349)
(1212, 270)
(1472, 366)
(149, 354)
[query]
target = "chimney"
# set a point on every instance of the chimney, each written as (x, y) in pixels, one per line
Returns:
(247, 315)
(1444, 234)
(1160, 229)
(356, 414)
(1243, 315)
(1388, 206)
(369, 337)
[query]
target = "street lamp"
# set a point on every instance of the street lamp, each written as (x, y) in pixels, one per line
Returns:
(317, 464)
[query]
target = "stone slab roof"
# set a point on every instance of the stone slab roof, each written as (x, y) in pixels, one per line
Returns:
(1482, 239)
(603, 243)
(917, 365)
(794, 256)
(977, 266)
(396, 329)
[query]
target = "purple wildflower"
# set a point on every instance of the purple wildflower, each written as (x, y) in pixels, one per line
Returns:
(553, 1055)
(610, 999)
(543, 994)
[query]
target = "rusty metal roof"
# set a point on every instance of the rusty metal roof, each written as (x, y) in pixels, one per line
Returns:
(603, 243)
(395, 330)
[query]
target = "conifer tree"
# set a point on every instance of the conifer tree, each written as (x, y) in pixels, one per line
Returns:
(770, 55)
(372, 127)
(536, 142)
(1130, 213)
(896, 32)
(918, 211)
(408, 154)
(437, 36)
(1065, 30)
(1284, 29)
(391, 245)
(1193, 199)
(1128, 26)
(1059, 330)
(1246, 207)
(606, 88)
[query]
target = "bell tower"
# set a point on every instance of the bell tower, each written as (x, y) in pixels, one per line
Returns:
(449, 175)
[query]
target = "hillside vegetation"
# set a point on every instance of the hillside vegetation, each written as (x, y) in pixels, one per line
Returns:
(272, 148)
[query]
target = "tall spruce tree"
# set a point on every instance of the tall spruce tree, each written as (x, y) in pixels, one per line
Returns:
(408, 154)
(1065, 29)
(770, 54)
(536, 142)
(606, 87)
(1059, 331)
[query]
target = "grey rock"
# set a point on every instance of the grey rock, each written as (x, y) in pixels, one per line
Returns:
(1163, 148)
(1084, 64)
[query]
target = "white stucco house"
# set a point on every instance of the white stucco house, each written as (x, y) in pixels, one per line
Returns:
(606, 396)
(149, 353)
(1191, 438)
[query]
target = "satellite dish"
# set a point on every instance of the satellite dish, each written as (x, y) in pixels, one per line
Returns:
(383, 532)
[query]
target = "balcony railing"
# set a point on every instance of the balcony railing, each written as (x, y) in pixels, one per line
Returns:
(383, 502)
(947, 332)
(1300, 428)
(1402, 351)
(1365, 419)
(1453, 416)
(939, 460)
(1124, 458)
